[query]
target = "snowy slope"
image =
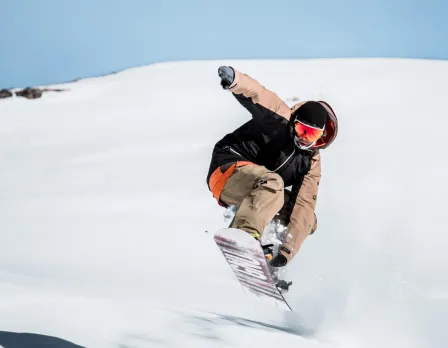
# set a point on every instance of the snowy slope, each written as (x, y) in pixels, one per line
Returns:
(104, 208)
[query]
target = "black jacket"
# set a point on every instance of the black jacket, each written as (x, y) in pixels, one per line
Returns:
(265, 140)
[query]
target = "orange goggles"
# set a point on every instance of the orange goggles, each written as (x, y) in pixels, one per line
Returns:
(307, 134)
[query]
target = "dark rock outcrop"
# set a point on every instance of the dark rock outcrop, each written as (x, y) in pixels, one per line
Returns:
(34, 93)
(5, 93)
(30, 93)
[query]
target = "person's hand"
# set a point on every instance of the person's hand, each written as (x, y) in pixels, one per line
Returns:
(227, 75)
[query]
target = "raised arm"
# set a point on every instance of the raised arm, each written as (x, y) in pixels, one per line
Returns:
(259, 101)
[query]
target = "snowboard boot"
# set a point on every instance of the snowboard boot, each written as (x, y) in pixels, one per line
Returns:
(232, 211)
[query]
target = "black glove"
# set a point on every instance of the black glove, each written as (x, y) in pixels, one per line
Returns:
(278, 261)
(227, 75)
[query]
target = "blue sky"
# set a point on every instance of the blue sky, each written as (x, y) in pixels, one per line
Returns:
(51, 41)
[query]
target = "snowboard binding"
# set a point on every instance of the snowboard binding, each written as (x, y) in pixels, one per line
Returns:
(283, 285)
(268, 250)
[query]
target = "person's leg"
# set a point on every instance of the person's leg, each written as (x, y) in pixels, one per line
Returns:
(258, 192)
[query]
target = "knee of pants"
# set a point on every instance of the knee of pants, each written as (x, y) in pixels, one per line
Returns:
(272, 182)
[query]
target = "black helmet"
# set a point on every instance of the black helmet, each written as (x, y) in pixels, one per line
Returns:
(311, 113)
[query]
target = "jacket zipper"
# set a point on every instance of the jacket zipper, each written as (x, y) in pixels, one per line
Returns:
(232, 150)
(286, 160)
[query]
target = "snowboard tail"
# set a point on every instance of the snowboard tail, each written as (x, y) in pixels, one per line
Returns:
(245, 256)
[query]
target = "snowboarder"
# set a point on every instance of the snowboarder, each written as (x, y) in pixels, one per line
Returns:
(278, 148)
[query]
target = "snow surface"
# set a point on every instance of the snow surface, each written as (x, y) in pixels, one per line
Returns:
(104, 210)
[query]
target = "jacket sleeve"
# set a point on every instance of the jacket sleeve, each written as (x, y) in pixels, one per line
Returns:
(259, 101)
(303, 218)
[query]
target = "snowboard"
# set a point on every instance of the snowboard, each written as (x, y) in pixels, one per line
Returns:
(245, 256)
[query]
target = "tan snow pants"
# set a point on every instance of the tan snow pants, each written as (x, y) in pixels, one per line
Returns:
(259, 193)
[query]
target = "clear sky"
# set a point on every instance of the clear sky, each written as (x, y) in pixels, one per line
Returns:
(51, 41)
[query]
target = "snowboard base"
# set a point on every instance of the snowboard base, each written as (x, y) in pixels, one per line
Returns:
(248, 262)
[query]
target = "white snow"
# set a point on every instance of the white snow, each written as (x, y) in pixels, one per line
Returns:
(104, 208)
